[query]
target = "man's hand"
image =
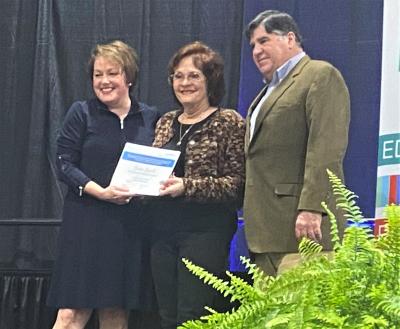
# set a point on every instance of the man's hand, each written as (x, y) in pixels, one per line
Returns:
(308, 224)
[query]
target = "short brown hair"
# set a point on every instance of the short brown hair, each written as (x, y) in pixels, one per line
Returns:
(209, 62)
(122, 54)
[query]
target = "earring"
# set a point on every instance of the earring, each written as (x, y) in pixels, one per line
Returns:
(130, 84)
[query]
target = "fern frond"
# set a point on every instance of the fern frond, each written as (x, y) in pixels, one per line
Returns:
(209, 321)
(331, 319)
(358, 288)
(345, 198)
(370, 322)
(279, 320)
(392, 238)
(220, 285)
(242, 291)
(391, 306)
(252, 269)
(308, 248)
(246, 313)
(334, 228)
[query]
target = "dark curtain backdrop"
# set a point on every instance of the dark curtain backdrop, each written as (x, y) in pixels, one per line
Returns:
(44, 48)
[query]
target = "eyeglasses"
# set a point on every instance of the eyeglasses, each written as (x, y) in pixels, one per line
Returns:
(191, 76)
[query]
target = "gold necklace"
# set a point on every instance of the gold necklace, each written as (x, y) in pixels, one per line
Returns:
(184, 134)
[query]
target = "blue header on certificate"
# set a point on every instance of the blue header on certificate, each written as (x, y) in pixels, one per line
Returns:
(147, 159)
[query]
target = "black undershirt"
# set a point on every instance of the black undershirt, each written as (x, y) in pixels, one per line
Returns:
(183, 135)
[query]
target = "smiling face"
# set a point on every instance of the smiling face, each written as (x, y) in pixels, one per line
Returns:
(270, 50)
(190, 84)
(109, 82)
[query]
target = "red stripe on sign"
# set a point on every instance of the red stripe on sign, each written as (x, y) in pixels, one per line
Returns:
(393, 189)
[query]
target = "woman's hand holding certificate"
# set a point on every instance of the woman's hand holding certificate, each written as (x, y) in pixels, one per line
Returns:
(114, 194)
(173, 186)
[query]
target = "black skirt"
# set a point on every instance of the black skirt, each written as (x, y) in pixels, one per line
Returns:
(103, 258)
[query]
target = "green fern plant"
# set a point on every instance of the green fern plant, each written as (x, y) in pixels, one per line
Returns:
(356, 287)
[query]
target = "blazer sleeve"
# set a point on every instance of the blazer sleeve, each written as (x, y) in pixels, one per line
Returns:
(328, 116)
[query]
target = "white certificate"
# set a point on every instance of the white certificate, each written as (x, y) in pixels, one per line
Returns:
(143, 168)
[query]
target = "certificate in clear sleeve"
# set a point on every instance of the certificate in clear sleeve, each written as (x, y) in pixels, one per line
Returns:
(142, 168)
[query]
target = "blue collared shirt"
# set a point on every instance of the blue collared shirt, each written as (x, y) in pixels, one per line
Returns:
(277, 77)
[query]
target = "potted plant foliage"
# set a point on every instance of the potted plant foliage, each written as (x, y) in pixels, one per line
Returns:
(357, 286)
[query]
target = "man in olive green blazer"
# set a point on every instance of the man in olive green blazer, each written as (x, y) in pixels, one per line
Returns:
(297, 127)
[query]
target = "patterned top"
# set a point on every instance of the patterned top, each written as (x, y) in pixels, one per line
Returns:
(214, 160)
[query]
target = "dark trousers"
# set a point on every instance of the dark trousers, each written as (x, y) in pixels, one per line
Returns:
(181, 295)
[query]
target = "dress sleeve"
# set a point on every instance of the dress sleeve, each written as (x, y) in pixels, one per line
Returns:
(69, 147)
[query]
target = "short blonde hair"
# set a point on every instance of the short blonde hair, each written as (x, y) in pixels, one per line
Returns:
(122, 54)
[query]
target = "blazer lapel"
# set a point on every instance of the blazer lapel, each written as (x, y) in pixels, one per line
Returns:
(256, 100)
(275, 95)
(249, 113)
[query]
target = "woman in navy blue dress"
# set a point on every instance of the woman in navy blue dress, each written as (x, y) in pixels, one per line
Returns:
(101, 263)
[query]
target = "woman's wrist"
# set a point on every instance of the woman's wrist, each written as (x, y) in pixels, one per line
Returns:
(95, 190)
